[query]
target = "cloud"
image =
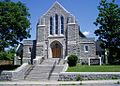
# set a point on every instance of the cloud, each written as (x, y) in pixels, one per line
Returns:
(86, 33)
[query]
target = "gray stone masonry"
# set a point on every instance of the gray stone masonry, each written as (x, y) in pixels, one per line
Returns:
(17, 74)
(72, 76)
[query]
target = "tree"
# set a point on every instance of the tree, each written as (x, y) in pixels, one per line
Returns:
(108, 22)
(14, 23)
(8, 55)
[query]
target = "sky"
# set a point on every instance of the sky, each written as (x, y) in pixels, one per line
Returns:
(85, 12)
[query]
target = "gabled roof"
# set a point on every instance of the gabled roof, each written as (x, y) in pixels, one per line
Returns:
(57, 4)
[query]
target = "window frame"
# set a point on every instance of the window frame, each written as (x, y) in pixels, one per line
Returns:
(29, 49)
(51, 25)
(62, 25)
(86, 48)
(56, 24)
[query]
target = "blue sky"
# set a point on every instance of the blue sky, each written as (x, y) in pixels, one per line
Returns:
(85, 12)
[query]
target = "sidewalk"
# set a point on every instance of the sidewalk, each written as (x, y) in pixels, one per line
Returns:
(58, 82)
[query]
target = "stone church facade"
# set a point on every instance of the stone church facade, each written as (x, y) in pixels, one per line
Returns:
(58, 35)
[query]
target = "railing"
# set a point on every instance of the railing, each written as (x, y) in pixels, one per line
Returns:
(50, 73)
(28, 71)
(58, 60)
(65, 60)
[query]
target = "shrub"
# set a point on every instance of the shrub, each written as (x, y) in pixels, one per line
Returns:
(72, 60)
(78, 78)
(7, 55)
(118, 82)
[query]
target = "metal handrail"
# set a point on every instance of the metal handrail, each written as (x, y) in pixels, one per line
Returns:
(28, 71)
(50, 73)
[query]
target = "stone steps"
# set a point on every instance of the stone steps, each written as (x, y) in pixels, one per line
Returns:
(52, 60)
(46, 71)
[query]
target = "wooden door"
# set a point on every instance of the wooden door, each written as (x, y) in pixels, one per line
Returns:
(56, 51)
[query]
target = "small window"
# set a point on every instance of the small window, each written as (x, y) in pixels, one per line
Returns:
(30, 50)
(86, 48)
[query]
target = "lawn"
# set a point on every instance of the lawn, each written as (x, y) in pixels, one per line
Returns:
(94, 68)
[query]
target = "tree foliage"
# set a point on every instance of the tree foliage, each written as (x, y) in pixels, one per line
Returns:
(14, 23)
(108, 22)
(8, 55)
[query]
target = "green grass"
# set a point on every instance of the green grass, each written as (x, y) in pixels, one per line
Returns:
(95, 68)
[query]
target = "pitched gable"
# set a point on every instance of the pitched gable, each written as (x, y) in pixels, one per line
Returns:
(56, 8)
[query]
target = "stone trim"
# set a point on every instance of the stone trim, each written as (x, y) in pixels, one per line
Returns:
(87, 42)
(41, 26)
(40, 43)
(71, 23)
(56, 36)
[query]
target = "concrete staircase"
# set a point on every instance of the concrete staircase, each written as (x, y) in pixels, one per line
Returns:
(52, 60)
(49, 69)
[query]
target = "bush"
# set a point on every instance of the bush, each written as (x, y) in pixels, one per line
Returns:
(7, 55)
(72, 60)
(78, 78)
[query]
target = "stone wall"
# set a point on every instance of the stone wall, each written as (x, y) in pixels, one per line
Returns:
(72, 76)
(72, 49)
(71, 32)
(83, 55)
(17, 74)
(6, 75)
(78, 48)
(26, 45)
(91, 50)
(39, 50)
(40, 33)
(29, 50)
(26, 53)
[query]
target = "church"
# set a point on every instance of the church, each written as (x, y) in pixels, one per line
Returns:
(58, 35)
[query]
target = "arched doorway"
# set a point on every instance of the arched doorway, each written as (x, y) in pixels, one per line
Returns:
(56, 49)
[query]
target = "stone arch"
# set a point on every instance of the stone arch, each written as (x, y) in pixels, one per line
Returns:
(57, 49)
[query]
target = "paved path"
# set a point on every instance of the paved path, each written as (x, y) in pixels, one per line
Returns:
(57, 83)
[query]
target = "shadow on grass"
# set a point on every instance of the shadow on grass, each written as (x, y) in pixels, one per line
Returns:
(8, 67)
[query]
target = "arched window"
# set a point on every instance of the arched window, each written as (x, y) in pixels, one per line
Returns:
(62, 25)
(51, 27)
(56, 24)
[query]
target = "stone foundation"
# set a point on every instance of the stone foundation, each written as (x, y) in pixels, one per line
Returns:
(72, 76)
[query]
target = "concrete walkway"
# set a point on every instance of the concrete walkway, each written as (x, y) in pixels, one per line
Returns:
(57, 82)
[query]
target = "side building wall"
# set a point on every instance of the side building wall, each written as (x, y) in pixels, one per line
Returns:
(77, 44)
(89, 53)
